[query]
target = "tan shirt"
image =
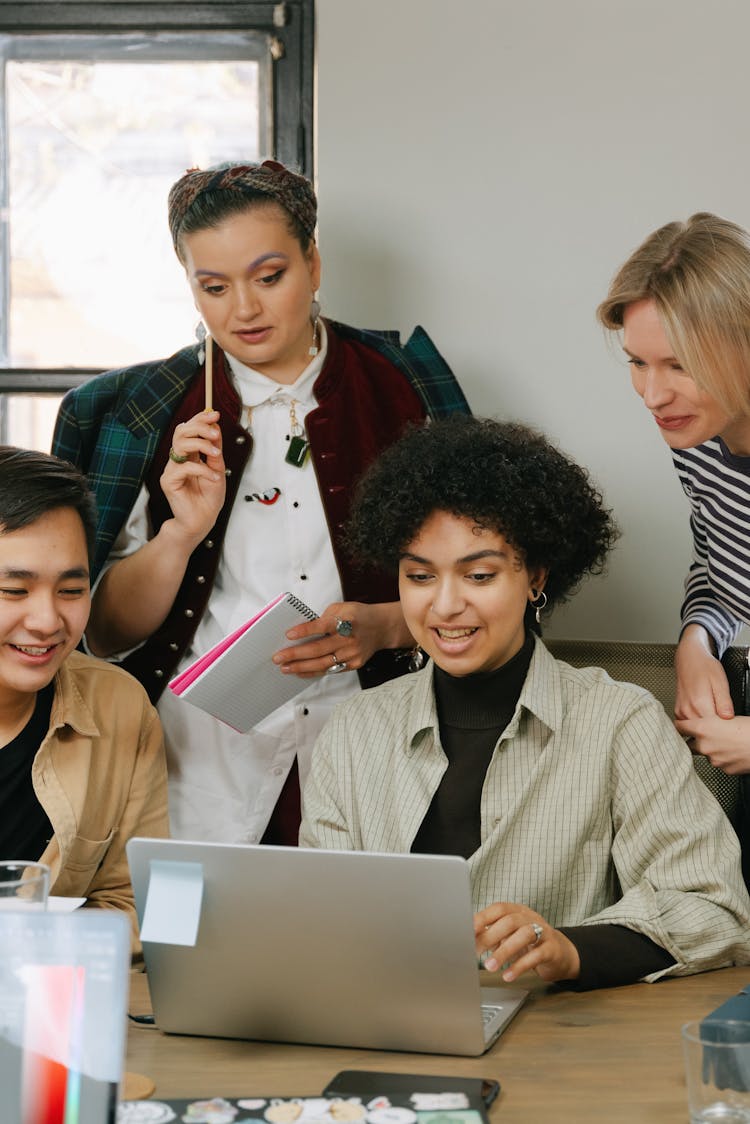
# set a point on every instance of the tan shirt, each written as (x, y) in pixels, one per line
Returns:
(590, 811)
(100, 775)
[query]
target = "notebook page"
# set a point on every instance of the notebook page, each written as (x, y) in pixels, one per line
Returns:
(190, 674)
(241, 686)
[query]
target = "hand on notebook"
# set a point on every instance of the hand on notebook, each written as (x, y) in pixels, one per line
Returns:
(372, 627)
(195, 488)
(519, 940)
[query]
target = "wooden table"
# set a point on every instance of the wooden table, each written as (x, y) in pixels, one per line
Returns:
(612, 1055)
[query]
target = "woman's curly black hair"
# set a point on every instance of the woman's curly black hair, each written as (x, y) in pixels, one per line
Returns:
(505, 478)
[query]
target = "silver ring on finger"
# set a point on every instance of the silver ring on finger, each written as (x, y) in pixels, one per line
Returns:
(538, 932)
(343, 627)
(337, 668)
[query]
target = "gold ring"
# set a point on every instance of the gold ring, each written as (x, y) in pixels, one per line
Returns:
(334, 658)
(173, 456)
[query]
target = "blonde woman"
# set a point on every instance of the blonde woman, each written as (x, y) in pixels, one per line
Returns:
(682, 303)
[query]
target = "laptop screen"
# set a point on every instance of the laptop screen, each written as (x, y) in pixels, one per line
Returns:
(63, 996)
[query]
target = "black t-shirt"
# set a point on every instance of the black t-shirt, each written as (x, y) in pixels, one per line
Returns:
(25, 828)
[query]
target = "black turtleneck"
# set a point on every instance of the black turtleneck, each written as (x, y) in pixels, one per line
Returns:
(473, 711)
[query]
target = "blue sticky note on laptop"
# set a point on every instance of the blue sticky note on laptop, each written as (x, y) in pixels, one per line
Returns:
(172, 911)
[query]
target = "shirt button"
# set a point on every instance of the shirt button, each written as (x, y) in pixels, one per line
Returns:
(189, 613)
(277, 771)
(303, 577)
(239, 440)
(200, 579)
(227, 472)
(174, 647)
(209, 544)
(295, 504)
(159, 673)
(305, 711)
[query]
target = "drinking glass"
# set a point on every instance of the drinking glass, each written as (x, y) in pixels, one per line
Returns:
(717, 1069)
(23, 885)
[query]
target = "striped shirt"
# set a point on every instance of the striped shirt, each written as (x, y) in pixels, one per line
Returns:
(591, 811)
(717, 588)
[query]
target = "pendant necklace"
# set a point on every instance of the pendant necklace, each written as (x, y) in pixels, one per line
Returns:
(299, 446)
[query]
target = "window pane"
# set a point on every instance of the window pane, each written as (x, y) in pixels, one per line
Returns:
(93, 149)
(27, 420)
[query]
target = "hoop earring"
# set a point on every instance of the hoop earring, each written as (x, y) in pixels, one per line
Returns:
(315, 320)
(538, 602)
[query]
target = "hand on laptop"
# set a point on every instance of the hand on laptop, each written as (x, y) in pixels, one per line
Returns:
(519, 940)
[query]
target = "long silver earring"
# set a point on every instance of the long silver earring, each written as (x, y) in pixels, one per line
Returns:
(417, 658)
(315, 320)
(200, 335)
(538, 602)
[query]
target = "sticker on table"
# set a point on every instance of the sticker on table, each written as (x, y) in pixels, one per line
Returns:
(144, 1112)
(469, 1116)
(283, 1112)
(215, 1111)
(425, 1101)
(347, 1111)
(392, 1115)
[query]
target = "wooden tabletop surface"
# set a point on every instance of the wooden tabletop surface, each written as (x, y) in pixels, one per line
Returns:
(611, 1055)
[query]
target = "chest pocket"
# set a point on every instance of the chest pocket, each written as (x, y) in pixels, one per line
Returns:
(85, 855)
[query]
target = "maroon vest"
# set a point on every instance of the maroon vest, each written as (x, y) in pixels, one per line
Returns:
(364, 405)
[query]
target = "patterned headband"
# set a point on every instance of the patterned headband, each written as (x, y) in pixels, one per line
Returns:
(292, 192)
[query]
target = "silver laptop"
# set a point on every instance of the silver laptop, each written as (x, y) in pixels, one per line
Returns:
(63, 1002)
(337, 948)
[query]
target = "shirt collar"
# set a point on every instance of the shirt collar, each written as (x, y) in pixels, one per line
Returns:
(542, 692)
(255, 388)
(541, 695)
(68, 706)
(422, 716)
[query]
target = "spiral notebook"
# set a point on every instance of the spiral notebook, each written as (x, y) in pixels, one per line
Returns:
(236, 680)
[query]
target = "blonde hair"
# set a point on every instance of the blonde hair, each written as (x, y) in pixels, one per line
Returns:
(698, 275)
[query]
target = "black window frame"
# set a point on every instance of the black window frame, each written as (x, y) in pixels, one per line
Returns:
(289, 27)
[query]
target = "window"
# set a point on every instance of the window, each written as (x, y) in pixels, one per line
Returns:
(104, 105)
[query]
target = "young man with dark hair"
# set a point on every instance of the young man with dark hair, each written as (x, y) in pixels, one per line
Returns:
(82, 765)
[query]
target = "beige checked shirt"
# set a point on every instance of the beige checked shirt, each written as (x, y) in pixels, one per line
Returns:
(591, 811)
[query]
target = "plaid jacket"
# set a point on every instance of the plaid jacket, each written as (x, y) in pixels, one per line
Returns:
(111, 426)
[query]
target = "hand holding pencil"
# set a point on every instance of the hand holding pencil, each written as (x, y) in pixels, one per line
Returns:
(194, 480)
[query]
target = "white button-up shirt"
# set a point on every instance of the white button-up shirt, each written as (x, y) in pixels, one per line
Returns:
(224, 785)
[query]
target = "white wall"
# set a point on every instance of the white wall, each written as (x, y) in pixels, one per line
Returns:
(483, 168)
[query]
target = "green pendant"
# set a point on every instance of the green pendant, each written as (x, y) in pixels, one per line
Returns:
(296, 454)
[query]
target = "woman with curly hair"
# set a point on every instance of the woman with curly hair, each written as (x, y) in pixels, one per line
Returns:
(596, 855)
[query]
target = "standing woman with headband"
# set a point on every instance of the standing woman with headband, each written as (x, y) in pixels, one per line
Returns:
(206, 514)
(682, 302)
